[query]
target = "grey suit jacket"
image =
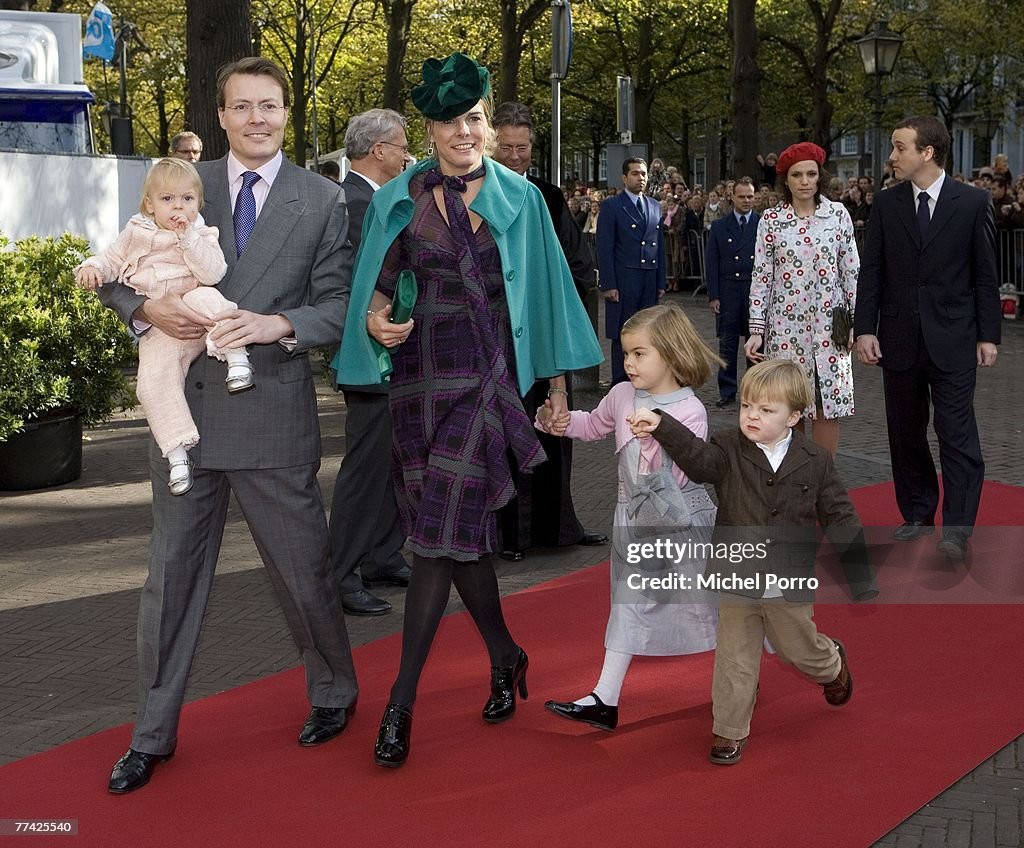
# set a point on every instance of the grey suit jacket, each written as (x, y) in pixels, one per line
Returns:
(298, 264)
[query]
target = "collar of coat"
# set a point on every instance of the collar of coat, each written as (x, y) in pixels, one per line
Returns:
(499, 201)
(800, 452)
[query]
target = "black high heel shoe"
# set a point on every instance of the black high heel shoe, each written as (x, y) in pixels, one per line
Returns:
(393, 738)
(504, 682)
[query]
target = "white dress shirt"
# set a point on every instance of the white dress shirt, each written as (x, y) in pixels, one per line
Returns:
(933, 194)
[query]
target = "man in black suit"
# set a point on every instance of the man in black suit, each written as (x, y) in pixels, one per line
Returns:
(928, 313)
(729, 259)
(366, 538)
(542, 513)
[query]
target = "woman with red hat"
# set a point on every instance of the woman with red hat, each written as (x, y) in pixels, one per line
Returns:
(806, 265)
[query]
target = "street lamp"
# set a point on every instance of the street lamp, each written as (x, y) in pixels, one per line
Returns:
(878, 52)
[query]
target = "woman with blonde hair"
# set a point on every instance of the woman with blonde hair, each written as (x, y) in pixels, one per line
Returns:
(477, 236)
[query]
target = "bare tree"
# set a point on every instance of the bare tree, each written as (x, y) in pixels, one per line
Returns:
(216, 33)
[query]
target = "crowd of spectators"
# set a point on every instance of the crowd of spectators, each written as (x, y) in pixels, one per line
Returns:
(688, 212)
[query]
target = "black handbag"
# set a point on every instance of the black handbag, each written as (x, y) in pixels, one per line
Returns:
(842, 323)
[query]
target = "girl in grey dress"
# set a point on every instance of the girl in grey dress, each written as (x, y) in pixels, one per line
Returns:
(657, 607)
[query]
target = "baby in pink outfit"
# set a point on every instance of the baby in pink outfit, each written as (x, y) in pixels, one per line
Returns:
(163, 249)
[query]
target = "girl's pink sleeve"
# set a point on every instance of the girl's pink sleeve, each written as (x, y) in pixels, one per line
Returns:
(591, 426)
(203, 255)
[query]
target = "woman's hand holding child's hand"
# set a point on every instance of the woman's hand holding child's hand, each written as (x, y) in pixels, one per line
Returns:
(643, 422)
(551, 423)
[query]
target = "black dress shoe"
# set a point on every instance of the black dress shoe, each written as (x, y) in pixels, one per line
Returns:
(504, 682)
(512, 556)
(324, 723)
(598, 715)
(399, 577)
(393, 738)
(134, 770)
(912, 530)
(361, 602)
(722, 403)
(592, 540)
(953, 545)
(840, 690)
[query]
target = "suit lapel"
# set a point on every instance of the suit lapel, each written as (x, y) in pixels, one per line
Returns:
(903, 194)
(796, 457)
(944, 209)
(217, 210)
(277, 219)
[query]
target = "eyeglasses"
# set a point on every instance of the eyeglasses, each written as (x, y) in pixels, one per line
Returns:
(262, 108)
(403, 147)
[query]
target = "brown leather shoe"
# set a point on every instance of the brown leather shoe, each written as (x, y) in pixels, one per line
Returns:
(726, 752)
(840, 690)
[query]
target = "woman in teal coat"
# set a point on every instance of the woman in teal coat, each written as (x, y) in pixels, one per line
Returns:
(497, 309)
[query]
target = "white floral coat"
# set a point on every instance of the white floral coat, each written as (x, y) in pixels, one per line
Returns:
(802, 268)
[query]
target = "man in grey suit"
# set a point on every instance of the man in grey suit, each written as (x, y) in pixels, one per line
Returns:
(284, 235)
(364, 527)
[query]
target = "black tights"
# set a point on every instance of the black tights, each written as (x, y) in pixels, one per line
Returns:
(425, 602)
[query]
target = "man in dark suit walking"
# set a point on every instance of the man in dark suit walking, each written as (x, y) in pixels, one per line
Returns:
(729, 260)
(542, 513)
(928, 313)
(630, 256)
(366, 539)
(284, 234)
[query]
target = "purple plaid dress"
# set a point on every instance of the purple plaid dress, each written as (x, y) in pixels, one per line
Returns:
(455, 405)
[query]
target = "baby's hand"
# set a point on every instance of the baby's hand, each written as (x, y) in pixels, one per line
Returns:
(88, 277)
(643, 422)
(180, 224)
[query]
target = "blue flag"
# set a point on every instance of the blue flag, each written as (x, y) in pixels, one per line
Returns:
(99, 33)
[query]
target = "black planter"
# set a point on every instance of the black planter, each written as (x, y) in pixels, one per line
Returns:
(46, 453)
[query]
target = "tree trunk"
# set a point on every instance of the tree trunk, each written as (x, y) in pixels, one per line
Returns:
(163, 139)
(514, 29)
(646, 87)
(746, 88)
(399, 16)
(299, 79)
(215, 33)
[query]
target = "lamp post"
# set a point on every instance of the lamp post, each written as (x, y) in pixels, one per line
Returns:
(878, 52)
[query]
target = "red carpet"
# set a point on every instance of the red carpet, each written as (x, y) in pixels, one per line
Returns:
(933, 699)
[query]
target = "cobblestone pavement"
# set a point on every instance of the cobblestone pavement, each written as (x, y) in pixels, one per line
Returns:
(73, 560)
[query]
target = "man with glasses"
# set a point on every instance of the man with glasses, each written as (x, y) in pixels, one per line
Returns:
(284, 232)
(187, 146)
(366, 538)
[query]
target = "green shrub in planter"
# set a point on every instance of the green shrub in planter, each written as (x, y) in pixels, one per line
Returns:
(61, 350)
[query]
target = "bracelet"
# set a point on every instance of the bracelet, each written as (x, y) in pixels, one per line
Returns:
(556, 391)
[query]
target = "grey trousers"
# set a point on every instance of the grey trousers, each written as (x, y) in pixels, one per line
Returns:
(284, 511)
